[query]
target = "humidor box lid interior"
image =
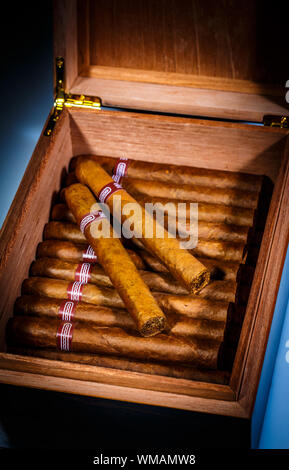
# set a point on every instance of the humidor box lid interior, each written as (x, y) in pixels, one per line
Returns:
(214, 59)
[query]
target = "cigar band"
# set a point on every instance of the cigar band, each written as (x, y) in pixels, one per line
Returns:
(82, 273)
(64, 336)
(74, 291)
(120, 169)
(89, 218)
(89, 255)
(108, 191)
(67, 310)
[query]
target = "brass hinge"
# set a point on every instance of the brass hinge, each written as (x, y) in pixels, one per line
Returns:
(276, 121)
(68, 100)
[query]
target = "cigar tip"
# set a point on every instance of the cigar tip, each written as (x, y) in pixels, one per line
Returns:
(153, 326)
(200, 281)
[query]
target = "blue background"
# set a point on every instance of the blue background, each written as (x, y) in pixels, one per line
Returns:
(26, 88)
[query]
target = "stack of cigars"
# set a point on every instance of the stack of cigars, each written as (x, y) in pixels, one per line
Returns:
(142, 304)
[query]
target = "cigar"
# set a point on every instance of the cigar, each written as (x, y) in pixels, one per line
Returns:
(192, 193)
(206, 229)
(220, 377)
(226, 251)
(77, 253)
(116, 263)
(143, 259)
(160, 282)
(47, 333)
(213, 213)
(220, 270)
(192, 306)
(176, 174)
(104, 316)
(141, 189)
(192, 274)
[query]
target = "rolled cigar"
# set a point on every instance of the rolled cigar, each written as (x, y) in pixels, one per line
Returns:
(104, 316)
(192, 306)
(55, 268)
(168, 173)
(76, 253)
(192, 274)
(152, 368)
(206, 248)
(117, 264)
(226, 251)
(218, 213)
(45, 333)
(220, 270)
(220, 250)
(63, 231)
(160, 282)
(208, 230)
(62, 212)
(192, 193)
(214, 213)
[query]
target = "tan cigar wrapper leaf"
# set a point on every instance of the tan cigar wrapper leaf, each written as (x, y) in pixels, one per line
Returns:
(192, 306)
(160, 282)
(180, 175)
(220, 250)
(123, 363)
(118, 266)
(105, 316)
(41, 333)
(182, 265)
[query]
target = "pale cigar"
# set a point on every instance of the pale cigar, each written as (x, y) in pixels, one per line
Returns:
(226, 251)
(118, 265)
(221, 270)
(182, 265)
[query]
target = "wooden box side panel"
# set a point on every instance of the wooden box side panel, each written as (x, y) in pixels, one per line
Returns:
(90, 386)
(264, 291)
(182, 141)
(23, 227)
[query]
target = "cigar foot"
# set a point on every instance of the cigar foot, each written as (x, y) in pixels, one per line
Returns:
(202, 279)
(153, 326)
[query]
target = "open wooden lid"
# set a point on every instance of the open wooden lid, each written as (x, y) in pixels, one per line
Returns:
(223, 59)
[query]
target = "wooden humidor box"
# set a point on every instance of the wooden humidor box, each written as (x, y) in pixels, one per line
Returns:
(160, 78)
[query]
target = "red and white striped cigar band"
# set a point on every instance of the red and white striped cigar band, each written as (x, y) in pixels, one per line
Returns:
(74, 291)
(67, 310)
(82, 273)
(108, 191)
(89, 255)
(120, 169)
(89, 218)
(64, 336)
